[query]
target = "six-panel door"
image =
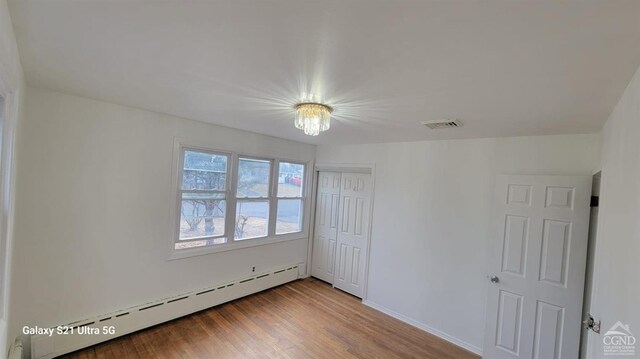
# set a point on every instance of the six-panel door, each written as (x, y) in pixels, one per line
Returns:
(353, 232)
(538, 266)
(326, 226)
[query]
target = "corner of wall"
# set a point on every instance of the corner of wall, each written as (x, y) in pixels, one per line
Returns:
(617, 233)
(12, 86)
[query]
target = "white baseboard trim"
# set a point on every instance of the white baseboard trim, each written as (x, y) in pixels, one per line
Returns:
(424, 327)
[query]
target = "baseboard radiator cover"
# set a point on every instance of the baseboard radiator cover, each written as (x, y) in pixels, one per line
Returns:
(95, 330)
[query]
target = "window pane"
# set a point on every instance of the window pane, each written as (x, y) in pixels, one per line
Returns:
(252, 219)
(253, 178)
(202, 215)
(289, 216)
(290, 179)
(203, 170)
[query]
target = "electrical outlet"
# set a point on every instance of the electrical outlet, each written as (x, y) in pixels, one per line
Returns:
(253, 269)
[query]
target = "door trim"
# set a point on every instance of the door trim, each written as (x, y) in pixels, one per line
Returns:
(342, 168)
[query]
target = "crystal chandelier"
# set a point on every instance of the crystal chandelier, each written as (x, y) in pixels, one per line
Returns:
(312, 117)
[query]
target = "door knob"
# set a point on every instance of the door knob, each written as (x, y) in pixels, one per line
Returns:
(494, 279)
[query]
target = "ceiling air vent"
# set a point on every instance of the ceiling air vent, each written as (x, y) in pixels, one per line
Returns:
(438, 124)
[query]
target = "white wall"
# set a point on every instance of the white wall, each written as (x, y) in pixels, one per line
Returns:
(616, 295)
(11, 87)
(430, 234)
(10, 68)
(92, 218)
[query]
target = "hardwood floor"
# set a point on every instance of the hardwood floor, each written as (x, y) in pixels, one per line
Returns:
(302, 319)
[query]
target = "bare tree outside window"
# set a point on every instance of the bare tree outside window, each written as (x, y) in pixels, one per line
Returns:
(204, 198)
(203, 208)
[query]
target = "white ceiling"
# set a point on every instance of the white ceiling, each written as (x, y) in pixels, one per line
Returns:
(505, 68)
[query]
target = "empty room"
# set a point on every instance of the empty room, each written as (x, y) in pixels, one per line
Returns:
(438, 179)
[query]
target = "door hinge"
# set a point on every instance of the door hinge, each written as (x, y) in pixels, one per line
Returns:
(595, 201)
(591, 323)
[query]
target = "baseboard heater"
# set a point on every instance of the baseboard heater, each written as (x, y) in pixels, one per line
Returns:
(91, 331)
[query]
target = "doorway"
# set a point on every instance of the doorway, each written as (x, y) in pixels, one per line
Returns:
(591, 247)
(341, 231)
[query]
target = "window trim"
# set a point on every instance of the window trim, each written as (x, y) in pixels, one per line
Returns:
(11, 98)
(180, 146)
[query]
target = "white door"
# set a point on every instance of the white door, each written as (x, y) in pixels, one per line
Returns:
(353, 233)
(326, 226)
(537, 271)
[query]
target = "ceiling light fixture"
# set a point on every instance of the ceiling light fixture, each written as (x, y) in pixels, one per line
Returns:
(312, 117)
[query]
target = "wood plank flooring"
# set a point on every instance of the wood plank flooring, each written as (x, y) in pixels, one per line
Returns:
(302, 319)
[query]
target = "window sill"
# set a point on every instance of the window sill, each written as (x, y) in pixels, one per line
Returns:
(247, 243)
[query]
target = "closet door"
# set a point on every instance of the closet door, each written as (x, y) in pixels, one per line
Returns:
(326, 226)
(353, 233)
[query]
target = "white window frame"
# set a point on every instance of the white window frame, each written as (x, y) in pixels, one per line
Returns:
(268, 198)
(181, 191)
(180, 146)
(11, 99)
(4, 255)
(302, 196)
